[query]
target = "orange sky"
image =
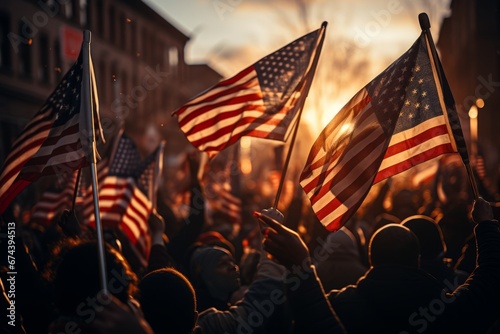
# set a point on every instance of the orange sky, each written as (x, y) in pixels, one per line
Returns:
(363, 38)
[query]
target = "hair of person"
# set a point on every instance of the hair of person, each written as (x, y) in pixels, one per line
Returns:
(394, 244)
(168, 301)
(76, 276)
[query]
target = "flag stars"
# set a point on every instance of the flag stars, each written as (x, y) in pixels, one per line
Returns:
(411, 115)
(424, 93)
(420, 81)
(407, 103)
(414, 91)
(426, 107)
(417, 105)
(417, 68)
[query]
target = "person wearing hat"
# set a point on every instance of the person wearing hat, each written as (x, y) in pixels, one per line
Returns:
(215, 276)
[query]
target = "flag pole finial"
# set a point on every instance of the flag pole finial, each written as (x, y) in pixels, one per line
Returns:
(86, 36)
(423, 19)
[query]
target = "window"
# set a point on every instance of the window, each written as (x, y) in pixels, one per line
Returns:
(25, 54)
(5, 56)
(122, 26)
(68, 9)
(133, 38)
(43, 68)
(102, 82)
(173, 59)
(58, 64)
(99, 9)
(83, 12)
(112, 24)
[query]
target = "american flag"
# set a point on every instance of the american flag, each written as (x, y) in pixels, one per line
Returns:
(124, 195)
(51, 142)
(223, 201)
(397, 121)
(55, 200)
(260, 101)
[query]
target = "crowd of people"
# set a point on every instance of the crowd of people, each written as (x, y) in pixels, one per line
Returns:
(420, 267)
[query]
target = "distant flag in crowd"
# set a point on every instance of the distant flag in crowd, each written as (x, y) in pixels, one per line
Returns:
(55, 200)
(124, 195)
(397, 121)
(260, 101)
(425, 175)
(223, 201)
(51, 143)
(85, 198)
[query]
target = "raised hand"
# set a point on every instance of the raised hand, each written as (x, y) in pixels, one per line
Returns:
(283, 243)
(482, 211)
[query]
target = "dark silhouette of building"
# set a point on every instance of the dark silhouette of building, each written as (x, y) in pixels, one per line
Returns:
(138, 58)
(469, 46)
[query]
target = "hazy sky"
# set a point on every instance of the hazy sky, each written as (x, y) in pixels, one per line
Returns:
(363, 38)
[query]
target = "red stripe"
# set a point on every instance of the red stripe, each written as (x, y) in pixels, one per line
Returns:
(11, 193)
(227, 82)
(347, 168)
(416, 140)
(248, 98)
(222, 131)
(346, 147)
(413, 161)
(221, 117)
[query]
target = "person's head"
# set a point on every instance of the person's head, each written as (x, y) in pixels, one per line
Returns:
(214, 238)
(394, 244)
(430, 237)
(214, 268)
(77, 278)
(168, 301)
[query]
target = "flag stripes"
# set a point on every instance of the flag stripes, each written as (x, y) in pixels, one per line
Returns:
(397, 121)
(260, 101)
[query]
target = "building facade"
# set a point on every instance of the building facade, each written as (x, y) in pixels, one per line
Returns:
(469, 47)
(138, 59)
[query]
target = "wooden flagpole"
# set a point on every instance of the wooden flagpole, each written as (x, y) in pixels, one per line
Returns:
(297, 122)
(425, 25)
(87, 107)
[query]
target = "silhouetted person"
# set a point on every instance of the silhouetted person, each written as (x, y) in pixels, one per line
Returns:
(168, 301)
(77, 292)
(433, 250)
(471, 308)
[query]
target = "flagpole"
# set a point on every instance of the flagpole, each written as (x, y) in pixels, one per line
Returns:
(295, 130)
(425, 25)
(75, 192)
(88, 109)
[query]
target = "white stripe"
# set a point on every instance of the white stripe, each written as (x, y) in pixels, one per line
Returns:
(210, 113)
(353, 152)
(214, 91)
(415, 150)
(228, 122)
(354, 173)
